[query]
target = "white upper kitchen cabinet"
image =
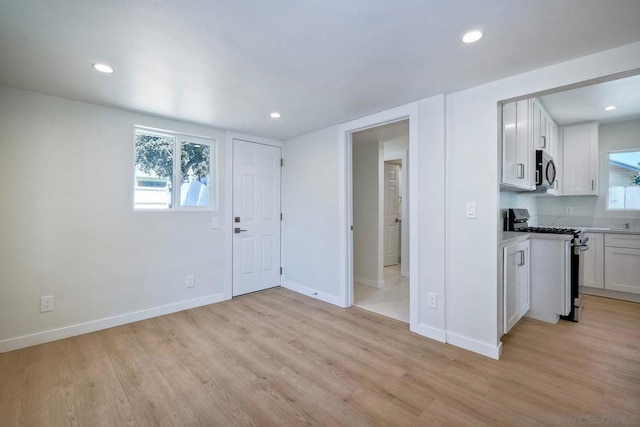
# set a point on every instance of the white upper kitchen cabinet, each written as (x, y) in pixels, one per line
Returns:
(541, 127)
(518, 161)
(580, 160)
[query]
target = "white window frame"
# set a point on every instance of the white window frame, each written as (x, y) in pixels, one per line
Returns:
(609, 182)
(178, 138)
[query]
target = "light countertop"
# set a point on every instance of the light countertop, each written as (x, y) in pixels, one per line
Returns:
(509, 237)
(609, 230)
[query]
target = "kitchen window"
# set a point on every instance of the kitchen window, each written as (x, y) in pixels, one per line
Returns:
(624, 180)
(173, 171)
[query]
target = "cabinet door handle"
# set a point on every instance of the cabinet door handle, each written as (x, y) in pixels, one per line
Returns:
(544, 141)
(520, 170)
(521, 262)
(593, 184)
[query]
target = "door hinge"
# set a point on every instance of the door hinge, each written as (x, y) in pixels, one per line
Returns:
(280, 216)
(281, 162)
(281, 271)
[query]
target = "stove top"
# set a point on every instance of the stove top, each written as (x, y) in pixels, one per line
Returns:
(550, 230)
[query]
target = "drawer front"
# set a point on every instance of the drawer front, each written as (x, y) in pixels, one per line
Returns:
(622, 240)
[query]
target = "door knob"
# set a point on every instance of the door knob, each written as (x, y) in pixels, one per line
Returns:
(237, 230)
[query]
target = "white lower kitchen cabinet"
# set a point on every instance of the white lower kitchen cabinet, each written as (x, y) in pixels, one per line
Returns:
(516, 281)
(622, 263)
(550, 277)
(592, 262)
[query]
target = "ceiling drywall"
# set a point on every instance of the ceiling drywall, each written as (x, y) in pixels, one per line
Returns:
(230, 63)
(587, 103)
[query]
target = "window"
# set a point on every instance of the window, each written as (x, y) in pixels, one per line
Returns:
(624, 180)
(162, 159)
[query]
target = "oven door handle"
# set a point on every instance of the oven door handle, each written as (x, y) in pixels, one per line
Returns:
(580, 248)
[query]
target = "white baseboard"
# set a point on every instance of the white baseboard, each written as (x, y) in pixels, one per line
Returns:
(108, 322)
(369, 282)
(430, 332)
(492, 351)
(607, 293)
(331, 299)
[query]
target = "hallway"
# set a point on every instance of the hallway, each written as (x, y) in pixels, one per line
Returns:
(392, 300)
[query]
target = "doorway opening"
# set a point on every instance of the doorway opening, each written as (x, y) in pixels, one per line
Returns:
(380, 219)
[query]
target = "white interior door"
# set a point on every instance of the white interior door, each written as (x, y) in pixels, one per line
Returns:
(391, 213)
(256, 212)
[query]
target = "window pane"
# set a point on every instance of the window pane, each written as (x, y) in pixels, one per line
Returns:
(153, 171)
(195, 165)
(624, 180)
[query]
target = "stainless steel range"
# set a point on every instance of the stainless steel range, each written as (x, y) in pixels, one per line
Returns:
(517, 220)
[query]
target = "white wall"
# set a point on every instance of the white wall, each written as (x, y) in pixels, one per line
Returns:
(431, 155)
(472, 175)
(68, 228)
(311, 164)
(310, 205)
(397, 144)
(367, 212)
(592, 210)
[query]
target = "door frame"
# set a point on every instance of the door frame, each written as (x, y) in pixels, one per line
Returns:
(345, 195)
(227, 213)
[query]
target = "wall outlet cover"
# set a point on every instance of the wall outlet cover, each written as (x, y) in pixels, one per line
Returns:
(471, 210)
(432, 300)
(190, 281)
(46, 303)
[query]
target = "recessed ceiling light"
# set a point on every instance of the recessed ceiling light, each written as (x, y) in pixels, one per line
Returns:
(609, 108)
(103, 68)
(472, 37)
(275, 115)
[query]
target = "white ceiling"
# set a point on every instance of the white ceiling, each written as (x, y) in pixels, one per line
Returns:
(229, 63)
(587, 103)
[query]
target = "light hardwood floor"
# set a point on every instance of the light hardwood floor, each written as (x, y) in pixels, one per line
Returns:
(280, 358)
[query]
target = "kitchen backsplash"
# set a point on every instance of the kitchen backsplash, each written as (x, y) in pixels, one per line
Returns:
(551, 212)
(619, 223)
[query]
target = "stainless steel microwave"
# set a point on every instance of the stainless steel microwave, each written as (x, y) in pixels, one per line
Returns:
(545, 171)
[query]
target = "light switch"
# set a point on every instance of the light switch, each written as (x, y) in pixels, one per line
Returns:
(471, 210)
(215, 223)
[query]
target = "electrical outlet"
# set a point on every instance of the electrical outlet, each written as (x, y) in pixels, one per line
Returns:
(433, 300)
(190, 281)
(46, 304)
(569, 210)
(471, 210)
